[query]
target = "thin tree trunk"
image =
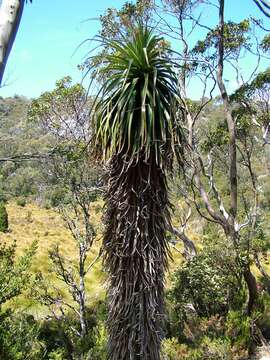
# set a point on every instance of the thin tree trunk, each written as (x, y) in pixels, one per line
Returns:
(190, 250)
(248, 276)
(229, 118)
(252, 289)
(82, 292)
(10, 17)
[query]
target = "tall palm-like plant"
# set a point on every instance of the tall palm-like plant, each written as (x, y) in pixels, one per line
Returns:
(138, 132)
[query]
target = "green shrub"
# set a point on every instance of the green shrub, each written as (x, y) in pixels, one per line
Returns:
(54, 196)
(19, 337)
(99, 351)
(23, 182)
(238, 328)
(21, 202)
(23, 337)
(211, 283)
(205, 305)
(205, 347)
(171, 349)
(216, 349)
(263, 319)
(58, 354)
(205, 286)
(15, 274)
(3, 197)
(58, 196)
(3, 218)
(61, 341)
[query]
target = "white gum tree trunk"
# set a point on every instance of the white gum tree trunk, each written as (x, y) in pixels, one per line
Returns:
(10, 17)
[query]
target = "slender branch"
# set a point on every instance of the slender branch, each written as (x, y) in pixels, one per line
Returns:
(261, 4)
(229, 118)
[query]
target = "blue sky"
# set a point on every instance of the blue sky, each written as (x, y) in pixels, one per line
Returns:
(49, 34)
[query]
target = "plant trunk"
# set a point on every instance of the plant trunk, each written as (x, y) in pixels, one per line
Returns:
(136, 254)
(10, 17)
(190, 250)
(82, 292)
(229, 118)
(252, 289)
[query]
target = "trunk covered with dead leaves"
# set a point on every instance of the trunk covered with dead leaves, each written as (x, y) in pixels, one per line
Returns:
(136, 255)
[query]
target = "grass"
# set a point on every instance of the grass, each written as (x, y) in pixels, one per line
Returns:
(32, 222)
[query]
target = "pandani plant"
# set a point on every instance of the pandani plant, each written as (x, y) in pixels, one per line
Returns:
(138, 133)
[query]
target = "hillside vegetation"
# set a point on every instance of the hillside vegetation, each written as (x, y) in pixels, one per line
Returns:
(34, 199)
(30, 223)
(135, 205)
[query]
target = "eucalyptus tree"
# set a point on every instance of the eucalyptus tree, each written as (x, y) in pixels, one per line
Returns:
(10, 17)
(138, 133)
(62, 114)
(220, 52)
